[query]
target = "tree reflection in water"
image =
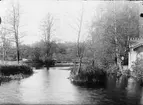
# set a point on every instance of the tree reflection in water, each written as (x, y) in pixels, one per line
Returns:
(52, 87)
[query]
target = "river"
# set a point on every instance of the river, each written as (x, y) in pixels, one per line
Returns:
(53, 87)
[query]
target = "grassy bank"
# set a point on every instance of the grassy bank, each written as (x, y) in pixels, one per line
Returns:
(14, 71)
(88, 75)
(114, 70)
(94, 75)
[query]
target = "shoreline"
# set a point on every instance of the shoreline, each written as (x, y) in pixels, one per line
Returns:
(15, 71)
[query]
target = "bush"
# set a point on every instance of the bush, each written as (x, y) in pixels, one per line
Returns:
(38, 63)
(138, 70)
(49, 62)
(15, 69)
(113, 69)
(88, 74)
(126, 72)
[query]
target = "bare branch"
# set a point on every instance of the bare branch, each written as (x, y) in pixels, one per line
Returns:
(14, 23)
(47, 27)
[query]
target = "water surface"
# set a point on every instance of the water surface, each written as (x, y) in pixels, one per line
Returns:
(53, 87)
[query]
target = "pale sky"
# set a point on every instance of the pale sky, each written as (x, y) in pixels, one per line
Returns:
(65, 14)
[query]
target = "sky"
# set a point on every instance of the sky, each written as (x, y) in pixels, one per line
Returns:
(65, 15)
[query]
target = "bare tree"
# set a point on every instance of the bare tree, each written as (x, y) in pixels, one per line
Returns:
(80, 47)
(116, 41)
(92, 44)
(47, 27)
(110, 31)
(0, 20)
(14, 25)
(4, 42)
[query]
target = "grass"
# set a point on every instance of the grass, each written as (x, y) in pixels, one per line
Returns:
(14, 72)
(15, 69)
(88, 74)
(11, 70)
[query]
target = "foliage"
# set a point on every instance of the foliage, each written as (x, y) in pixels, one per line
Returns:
(88, 73)
(113, 69)
(47, 27)
(15, 69)
(110, 23)
(39, 52)
(26, 51)
(13, 25)
(109, 32)
(45, 53)
(138, 69)
(36, 53)
(49, 62)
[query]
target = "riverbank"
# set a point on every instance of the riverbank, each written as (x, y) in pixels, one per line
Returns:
(87, 75)
(14, 71)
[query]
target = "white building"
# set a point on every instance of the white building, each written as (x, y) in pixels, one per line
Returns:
(136, 45)
(136, 51)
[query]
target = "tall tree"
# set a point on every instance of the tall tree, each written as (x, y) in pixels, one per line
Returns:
(47, 29)
(6, 44)
(111, 30)
(80, 47)
(13, 25)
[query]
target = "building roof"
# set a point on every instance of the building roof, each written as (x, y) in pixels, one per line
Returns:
(136, 45)
(136, 42)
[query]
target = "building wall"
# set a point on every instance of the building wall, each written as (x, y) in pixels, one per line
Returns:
(132, 58)
(134, 54)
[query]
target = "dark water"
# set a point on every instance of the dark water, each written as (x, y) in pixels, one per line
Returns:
(52, 87)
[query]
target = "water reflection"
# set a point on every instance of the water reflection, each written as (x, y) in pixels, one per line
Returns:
(47, 86)
(32, 88)
(118, 92)
(52, 87)
(10, 93)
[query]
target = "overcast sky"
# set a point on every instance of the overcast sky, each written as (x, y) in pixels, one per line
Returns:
(65, 14)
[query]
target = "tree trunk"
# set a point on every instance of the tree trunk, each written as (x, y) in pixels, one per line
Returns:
(116, 41)
(79, 67)
(118, 56)
(18, 53)
(3, 54)
(93, 63)
(119, 63)
(17, 47)
(4, 49)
